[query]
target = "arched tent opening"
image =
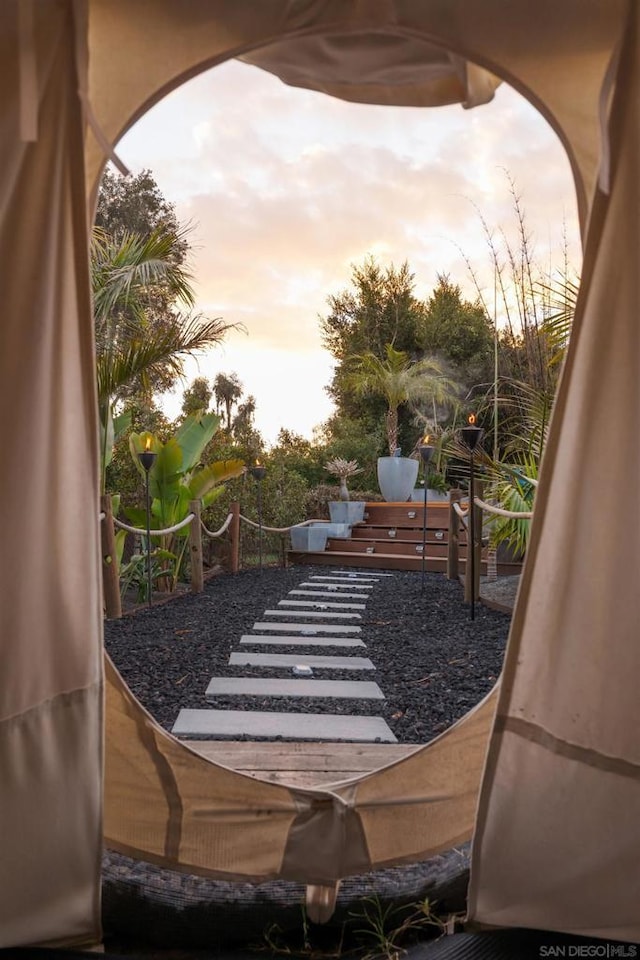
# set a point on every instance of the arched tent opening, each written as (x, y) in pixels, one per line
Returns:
(562, 716)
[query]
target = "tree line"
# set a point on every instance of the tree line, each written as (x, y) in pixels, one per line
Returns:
(404, 365)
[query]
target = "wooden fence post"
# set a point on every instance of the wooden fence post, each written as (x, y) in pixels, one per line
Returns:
(453, 542)
(110, 572)
(234, 537)
(195, 543)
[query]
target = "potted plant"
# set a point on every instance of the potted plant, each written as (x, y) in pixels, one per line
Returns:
(400, 380)
(345, 510)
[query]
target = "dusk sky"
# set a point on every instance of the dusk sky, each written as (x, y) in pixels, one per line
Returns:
(287, 188)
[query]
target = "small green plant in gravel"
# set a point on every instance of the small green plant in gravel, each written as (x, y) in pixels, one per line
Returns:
(373, 931)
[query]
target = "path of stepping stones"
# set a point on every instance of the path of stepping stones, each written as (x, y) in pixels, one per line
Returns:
(321, 612)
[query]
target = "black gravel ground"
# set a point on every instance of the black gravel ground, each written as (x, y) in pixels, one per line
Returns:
(432, 662)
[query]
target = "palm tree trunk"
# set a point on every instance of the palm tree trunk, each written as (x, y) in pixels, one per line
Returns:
(392, 430)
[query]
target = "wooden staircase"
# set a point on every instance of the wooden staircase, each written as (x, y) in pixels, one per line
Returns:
(391, 537)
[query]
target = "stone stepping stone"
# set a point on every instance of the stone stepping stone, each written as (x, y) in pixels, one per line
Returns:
(304, 641)
(329, 615)
(259, 687)
(349, 580)
(293, 659)
(328, 596)
(338, 586)
(307, 629)
(232, 724)
(319, 605)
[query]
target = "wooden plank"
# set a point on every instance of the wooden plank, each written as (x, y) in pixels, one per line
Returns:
(391, 547)
(301, 756)
(414, 534)
(408, 514)
(301, 764)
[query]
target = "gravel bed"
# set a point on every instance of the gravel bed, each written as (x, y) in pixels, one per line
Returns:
(432, 662)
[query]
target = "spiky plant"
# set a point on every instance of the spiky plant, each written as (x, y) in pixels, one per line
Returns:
(343, 469)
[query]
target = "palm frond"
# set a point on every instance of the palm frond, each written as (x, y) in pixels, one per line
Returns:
(132, 358)
(123, 269)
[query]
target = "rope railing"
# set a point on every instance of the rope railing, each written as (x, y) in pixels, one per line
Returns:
(217, 533)
(511, 514)
(461, 513)
(305, 523)
(155, 533)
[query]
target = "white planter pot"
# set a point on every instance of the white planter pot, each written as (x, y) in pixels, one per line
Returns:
(346, 511)
(397, 477)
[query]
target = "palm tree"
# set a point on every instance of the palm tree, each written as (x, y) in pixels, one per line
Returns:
(227, 390)
(130, 276)
(399, 379)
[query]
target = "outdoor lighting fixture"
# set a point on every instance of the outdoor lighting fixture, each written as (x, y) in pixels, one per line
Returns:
(147, 458)
(426, 452)
(258, 472)
(471, 436)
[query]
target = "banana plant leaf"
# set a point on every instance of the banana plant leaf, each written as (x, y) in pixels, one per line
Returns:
(213, 474)
(193, 436)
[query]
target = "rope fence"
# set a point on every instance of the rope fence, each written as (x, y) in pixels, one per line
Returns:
(155, 533)
(511, 514)
(459, 523)
(294, 526)
(218, 533)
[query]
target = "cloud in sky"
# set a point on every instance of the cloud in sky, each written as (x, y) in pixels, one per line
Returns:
(287, 188)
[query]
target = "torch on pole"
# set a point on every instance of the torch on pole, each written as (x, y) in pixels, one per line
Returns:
(147, 459)
(471, 436)
(426, 452)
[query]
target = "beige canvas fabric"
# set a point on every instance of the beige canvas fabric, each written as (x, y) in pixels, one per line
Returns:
(51, 712)
(564, 731)
(558, 837)
(166, 804)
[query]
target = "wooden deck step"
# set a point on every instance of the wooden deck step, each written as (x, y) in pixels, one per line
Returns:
(297, 726)
(413, 535)
(384, 561)
(406, 548)
(301, 764)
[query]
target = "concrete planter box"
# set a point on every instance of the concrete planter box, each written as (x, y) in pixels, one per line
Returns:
(340, 530)
(397, 477)
(346, 511)
(312, 538)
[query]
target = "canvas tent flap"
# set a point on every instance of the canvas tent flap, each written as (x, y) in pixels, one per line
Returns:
(559, 825)
(396, 52)
(166, 804)
(376, 67)
(50, 615)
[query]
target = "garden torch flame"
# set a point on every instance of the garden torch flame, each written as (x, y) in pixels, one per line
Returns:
(471, 420)
(425, 439)
(147, 445)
